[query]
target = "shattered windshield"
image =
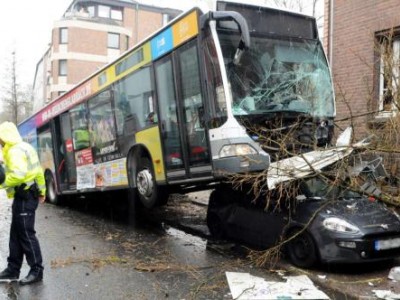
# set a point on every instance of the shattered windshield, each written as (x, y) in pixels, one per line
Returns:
(277, 75)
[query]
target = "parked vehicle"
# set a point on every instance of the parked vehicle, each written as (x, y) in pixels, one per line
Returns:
(325, 223)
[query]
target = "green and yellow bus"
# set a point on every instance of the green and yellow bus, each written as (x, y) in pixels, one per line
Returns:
(188, 105)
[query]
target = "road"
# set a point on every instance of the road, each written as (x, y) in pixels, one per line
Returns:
(91, 252)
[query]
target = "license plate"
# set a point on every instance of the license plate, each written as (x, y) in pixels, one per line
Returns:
(387, 244)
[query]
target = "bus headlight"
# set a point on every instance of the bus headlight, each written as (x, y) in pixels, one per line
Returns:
(339, 225)
(236, 150)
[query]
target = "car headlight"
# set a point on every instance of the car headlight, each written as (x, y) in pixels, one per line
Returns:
(236, 150)
(339, 225)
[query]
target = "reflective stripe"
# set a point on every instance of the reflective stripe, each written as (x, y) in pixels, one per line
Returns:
(20, 173)
(31, 165)
(42, 186)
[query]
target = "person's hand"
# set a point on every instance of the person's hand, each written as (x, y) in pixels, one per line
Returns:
(42, 199)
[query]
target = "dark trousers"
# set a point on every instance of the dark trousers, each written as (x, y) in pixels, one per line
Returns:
(23, 239)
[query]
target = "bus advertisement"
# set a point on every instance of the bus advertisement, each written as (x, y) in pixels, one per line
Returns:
(208, 95)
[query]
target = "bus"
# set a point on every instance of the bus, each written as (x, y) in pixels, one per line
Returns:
(208, 95)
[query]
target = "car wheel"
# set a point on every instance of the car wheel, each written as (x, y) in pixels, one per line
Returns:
(214, 221)
(302, 250)
(150, 194)
(51, 192)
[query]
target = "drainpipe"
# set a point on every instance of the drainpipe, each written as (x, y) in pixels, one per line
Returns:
(331, 5)
(137, 23)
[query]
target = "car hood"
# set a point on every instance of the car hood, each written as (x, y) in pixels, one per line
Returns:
(370, 216)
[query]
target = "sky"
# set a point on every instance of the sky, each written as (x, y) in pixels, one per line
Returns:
(25, 27)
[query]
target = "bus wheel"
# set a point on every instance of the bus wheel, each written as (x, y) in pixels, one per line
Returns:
(149, 192)
(51, 193)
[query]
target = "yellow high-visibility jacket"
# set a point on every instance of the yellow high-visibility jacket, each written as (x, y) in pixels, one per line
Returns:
(21, 161)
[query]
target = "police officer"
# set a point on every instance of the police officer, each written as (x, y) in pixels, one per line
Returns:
(24, 181)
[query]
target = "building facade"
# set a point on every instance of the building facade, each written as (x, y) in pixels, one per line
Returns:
(90, 34)
(362, 38)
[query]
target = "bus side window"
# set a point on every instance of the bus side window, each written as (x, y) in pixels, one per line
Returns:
(122, 109)
(134, 98)
(131, 125)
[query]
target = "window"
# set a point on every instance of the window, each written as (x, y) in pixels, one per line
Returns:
(193, 116)
(63, 35)
(218, 108)
(169, 113)
(45, 149)
(104, 11)
(129, 61)
(389, 72)
(134, 102)
(62, 67)
(116, 14)
(113, 40)
(79, 124)
(92, 11)
(102, 126)
(165, 19)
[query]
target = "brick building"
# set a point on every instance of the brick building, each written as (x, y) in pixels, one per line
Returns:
(362, 39)
(90, 34)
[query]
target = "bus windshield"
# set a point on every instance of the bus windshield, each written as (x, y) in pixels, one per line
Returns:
(278, 75)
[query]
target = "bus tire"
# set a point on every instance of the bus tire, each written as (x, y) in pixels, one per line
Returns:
(150, 194)
(51, 191)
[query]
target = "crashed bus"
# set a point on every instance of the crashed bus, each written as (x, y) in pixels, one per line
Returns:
(214, 93)
(177, 112)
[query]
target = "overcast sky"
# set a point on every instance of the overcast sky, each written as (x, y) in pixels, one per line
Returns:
(25, 27)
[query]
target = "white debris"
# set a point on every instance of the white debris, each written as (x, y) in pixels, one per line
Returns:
(244, 286)
(394, 273)
(344, 138)
(323, 277)
(305, 164)
(386, 294)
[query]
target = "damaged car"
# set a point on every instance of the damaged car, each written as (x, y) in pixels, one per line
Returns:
(322, 223)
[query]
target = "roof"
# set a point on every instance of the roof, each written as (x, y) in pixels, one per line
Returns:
(125, 3)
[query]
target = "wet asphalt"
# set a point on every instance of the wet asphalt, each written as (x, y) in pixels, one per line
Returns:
(91, 251)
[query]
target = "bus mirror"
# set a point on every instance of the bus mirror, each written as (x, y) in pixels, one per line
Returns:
(239, 20)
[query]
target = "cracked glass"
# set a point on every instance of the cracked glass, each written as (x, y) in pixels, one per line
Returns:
(278, 75)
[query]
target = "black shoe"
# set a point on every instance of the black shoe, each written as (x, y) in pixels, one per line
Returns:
(32, 277)
(6, 274)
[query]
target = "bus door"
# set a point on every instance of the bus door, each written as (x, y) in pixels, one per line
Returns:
(67, 167)
(59, 155)
(181, 108)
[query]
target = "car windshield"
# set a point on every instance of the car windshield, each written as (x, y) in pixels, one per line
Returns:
(278, 75)
(316, 187)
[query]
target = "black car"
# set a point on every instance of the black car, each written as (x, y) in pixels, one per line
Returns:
(327, 223)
